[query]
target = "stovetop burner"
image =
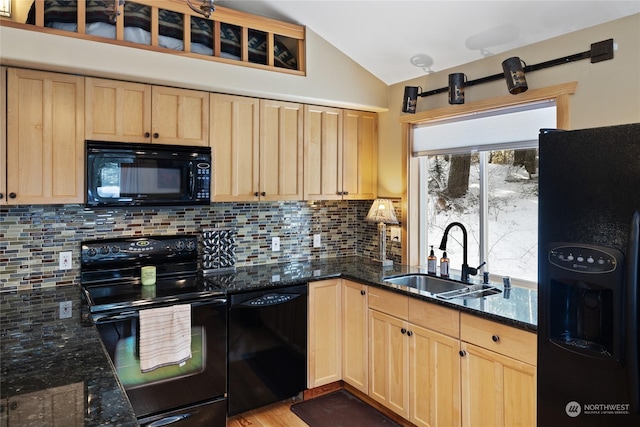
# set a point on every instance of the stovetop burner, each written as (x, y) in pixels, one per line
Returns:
(111, 271)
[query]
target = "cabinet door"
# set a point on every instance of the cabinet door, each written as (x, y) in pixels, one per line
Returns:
(355, 336)
(235, 148)
(179, 116)
(389, 362)
(281, 148)
(496, 390)
(434, 369)
(117, 111)
(3, 143)
(325, 332)
(360, 165)
(45, 137)
(322, 153)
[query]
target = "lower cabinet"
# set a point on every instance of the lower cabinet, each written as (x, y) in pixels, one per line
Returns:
(414, 371)
(498, 374)
(324, 337)
(355, 335)
(389, 362)
(430, 364)
(434, 378)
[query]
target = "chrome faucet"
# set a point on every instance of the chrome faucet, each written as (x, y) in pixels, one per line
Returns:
(466, 270)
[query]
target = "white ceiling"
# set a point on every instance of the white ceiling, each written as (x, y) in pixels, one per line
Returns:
(383, 35)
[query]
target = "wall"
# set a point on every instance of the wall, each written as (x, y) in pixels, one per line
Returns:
(31, 237)
(608, 93)
(356, 88)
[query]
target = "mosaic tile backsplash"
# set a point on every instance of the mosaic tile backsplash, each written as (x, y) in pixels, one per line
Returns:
(31, 237)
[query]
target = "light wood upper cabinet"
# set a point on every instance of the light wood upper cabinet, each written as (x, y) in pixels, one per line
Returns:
(322, 153)
(257, 149)
(45, 137)
(235, 148)
(3, 142)
(360, 158)
(498, 374)
(325, 333)
(117, 111)
(133, 112)
(355, 335)
(179, 116)
(340, 154)
(281, 148)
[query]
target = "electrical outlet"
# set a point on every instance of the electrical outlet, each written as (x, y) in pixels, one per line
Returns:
(317, 242)
(396, 235)
(65, 260)
(65, 309)
(275, 244)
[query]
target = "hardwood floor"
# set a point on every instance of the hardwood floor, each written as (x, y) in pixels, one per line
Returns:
(276, 415)
(280, 415)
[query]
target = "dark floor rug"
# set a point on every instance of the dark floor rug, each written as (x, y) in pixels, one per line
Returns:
(340, 409)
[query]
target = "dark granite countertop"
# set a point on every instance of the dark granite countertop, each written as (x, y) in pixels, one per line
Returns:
(40, 353)
(518, 307)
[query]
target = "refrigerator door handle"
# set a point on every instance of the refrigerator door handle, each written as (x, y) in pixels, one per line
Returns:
(633, 280)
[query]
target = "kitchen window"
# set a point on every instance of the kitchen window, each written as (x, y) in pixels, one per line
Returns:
(481, 170)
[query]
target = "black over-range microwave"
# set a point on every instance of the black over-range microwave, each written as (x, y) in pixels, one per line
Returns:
(124, 174)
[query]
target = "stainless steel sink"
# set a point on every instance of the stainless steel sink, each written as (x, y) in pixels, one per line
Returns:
(442, 288)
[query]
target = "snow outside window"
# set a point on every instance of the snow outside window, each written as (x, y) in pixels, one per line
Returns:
(492, 189)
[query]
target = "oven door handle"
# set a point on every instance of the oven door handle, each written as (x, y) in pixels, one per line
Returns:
(104, 318)
(216, 301)
(132, 314)
(168, 420)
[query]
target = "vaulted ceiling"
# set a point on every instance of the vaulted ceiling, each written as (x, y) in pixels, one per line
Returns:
(397, 40)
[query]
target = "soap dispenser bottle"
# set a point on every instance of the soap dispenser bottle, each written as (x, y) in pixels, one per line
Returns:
(431, 262)
(444, 265)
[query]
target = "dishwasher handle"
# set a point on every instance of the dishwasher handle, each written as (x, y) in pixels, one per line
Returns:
(268, 300)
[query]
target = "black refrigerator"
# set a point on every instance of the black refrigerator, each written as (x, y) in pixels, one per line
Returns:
(588, 273)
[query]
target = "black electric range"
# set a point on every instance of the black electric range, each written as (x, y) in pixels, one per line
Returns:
(191, 389)
(111, 272)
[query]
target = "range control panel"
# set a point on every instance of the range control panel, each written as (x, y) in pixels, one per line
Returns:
(583, 258)
(105, 251)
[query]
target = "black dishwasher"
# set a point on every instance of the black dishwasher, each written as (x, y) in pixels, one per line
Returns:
(267, 347)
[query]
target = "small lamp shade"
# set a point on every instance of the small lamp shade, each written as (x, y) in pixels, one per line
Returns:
(382, 211)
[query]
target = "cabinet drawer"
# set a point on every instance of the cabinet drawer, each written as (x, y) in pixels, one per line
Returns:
(389, 302)
(502, 339)
(435, 317)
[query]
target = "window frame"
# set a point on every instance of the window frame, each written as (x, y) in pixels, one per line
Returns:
(411, 168)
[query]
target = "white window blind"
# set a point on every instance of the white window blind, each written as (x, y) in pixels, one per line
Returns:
(517, 126)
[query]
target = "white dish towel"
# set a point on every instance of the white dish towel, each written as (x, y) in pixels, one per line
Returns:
(165, 336)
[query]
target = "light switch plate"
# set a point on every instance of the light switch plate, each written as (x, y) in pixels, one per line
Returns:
(275, 244)
(317, 241)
